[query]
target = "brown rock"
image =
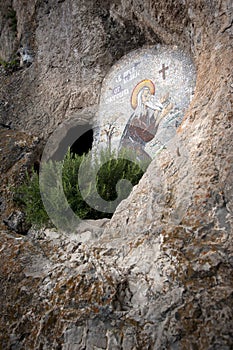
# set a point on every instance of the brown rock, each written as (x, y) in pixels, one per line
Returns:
(159, 277)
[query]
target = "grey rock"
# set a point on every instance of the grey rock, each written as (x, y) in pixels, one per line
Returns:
(16, 221)
(2, 204)
(158, 275)
(26, 56)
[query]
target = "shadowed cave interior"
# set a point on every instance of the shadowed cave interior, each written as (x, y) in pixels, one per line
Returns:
(78, 138)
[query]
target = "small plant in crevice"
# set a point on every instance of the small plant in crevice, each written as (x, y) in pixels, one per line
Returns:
(107, 169)
(10, 66)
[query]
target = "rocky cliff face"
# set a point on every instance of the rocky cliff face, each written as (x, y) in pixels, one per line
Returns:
(158, 275)
(73, 45)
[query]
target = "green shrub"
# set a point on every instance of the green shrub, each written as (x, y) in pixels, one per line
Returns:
(111, 172)
(28, 197)
(103, 178)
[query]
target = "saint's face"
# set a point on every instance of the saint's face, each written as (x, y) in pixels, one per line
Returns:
(146, 95)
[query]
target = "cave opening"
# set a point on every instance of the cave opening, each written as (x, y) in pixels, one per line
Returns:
(84, 143)
(79, 139)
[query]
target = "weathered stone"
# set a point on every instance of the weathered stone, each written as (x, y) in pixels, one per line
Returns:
(74, 63)
(159, 275)
(2, 204)
(19, 153)
(26, 57)
(16, 221)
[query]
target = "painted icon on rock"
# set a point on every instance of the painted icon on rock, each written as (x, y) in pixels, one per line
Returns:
(143, 100)
(143, 124)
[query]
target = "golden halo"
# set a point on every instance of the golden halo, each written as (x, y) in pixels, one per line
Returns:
(144, 83)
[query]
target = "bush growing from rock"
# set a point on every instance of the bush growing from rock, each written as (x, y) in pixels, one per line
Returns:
(107, 169)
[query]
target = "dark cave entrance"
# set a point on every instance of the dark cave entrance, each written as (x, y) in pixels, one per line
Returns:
(79, 139)
(84, 143)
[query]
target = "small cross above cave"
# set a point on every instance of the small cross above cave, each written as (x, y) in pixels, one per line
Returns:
(163, 70)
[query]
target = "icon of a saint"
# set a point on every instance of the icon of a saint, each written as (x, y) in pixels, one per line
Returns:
(144, 122)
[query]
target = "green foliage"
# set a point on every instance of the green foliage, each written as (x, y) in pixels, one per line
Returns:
(28, 197)
(112, 171)
(101, 173)
(10, 66)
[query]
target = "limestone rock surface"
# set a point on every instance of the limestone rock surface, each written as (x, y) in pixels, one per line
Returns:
(158, 275)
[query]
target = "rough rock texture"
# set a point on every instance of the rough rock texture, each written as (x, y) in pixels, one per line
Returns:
(19, 153)
(73, 45)
(159, 276)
